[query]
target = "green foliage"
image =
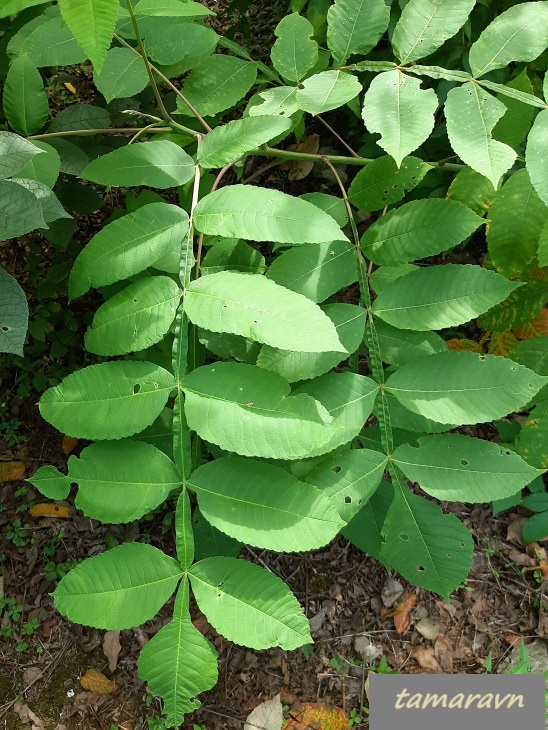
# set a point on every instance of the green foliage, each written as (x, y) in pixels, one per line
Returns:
(243, 319)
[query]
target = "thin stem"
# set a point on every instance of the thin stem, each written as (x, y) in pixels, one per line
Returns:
(337, 159)
(139, 133)
(143, 55)
(338, 136)
(214, 187)
(172, 86)
(377, 370)
(111, 130)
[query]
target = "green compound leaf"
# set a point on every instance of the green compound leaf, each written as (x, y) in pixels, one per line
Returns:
(398, 347)
(425, 25)
(178, 663)
(211, 542)
(349, 479)
(329, 204)
(365, 528)
(20, 210)
(248, 605)
(327, 90)
(316, 270)
(25, 101)
(355, 26)
(179, 41)
(121, 481)
(513, 127)
(92, 22)
(405, 420)
(52, 43)
(184, 538)
(533, 437)
(398, 109)
(15, 153)
(260, 214)
(171, 9)
(382, 183)
(471, 115)
(14, 314)
(519, 34)
(294, 53)
(127, 246)
(441, 296)
(217, 83)
(516, 218)
(11, 7)
(418, 229)
(282, 100)
(385, 275)
(264, 505)
(255, 307)
(232, 254)
(349, 321)
(50, 206)
(472, 189)
(108, 401)
(135, 318)
(51, 483)
(348, 398)
(533, 353)
(536, 155)
(123, 74)
(463, 387)
(454, 467)
(250, 411)
(42, 168)
(118, 589)
(234, 139)
(80, 116)
(158, 164)
(542, 254)
(427, 547)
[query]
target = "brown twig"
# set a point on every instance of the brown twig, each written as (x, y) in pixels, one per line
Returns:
(338, 136)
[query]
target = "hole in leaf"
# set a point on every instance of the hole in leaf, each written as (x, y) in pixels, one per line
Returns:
(404, 536)
(219, 595)
(482, 358)
(136, 388)
(508, 453)
(448, 555)
(5, 328)
(462, 544)
(360, 501)
(420, 569)
(464, 462)
(348, 500)
(336, 469)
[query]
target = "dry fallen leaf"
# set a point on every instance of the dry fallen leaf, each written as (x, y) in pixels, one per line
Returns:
(68, 444)
(424, 656)
(428, 628)
(112, 648)
(95, 681)
(50, 510)
(299, 169)
(266, 716)
(69, 87)
(11, 471)
(391, 591)
(401, 612)
(317, 715)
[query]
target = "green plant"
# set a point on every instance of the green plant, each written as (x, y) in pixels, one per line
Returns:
(266, 427)
(16, 534)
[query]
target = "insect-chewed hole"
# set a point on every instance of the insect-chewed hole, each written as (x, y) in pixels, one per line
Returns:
(5, 328)
(136, 388)
(336, 469)
(464, 462)
(420, 569)
(448, 555)
(348, 500)
(404, 536)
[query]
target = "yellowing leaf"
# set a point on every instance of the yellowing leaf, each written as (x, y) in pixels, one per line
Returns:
(10, 471)
(501, 343)
(70, 87)
(464, 345)
(95, 681)
(537, 327)
(50, 510)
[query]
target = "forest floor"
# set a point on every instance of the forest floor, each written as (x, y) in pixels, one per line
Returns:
(359, 612)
